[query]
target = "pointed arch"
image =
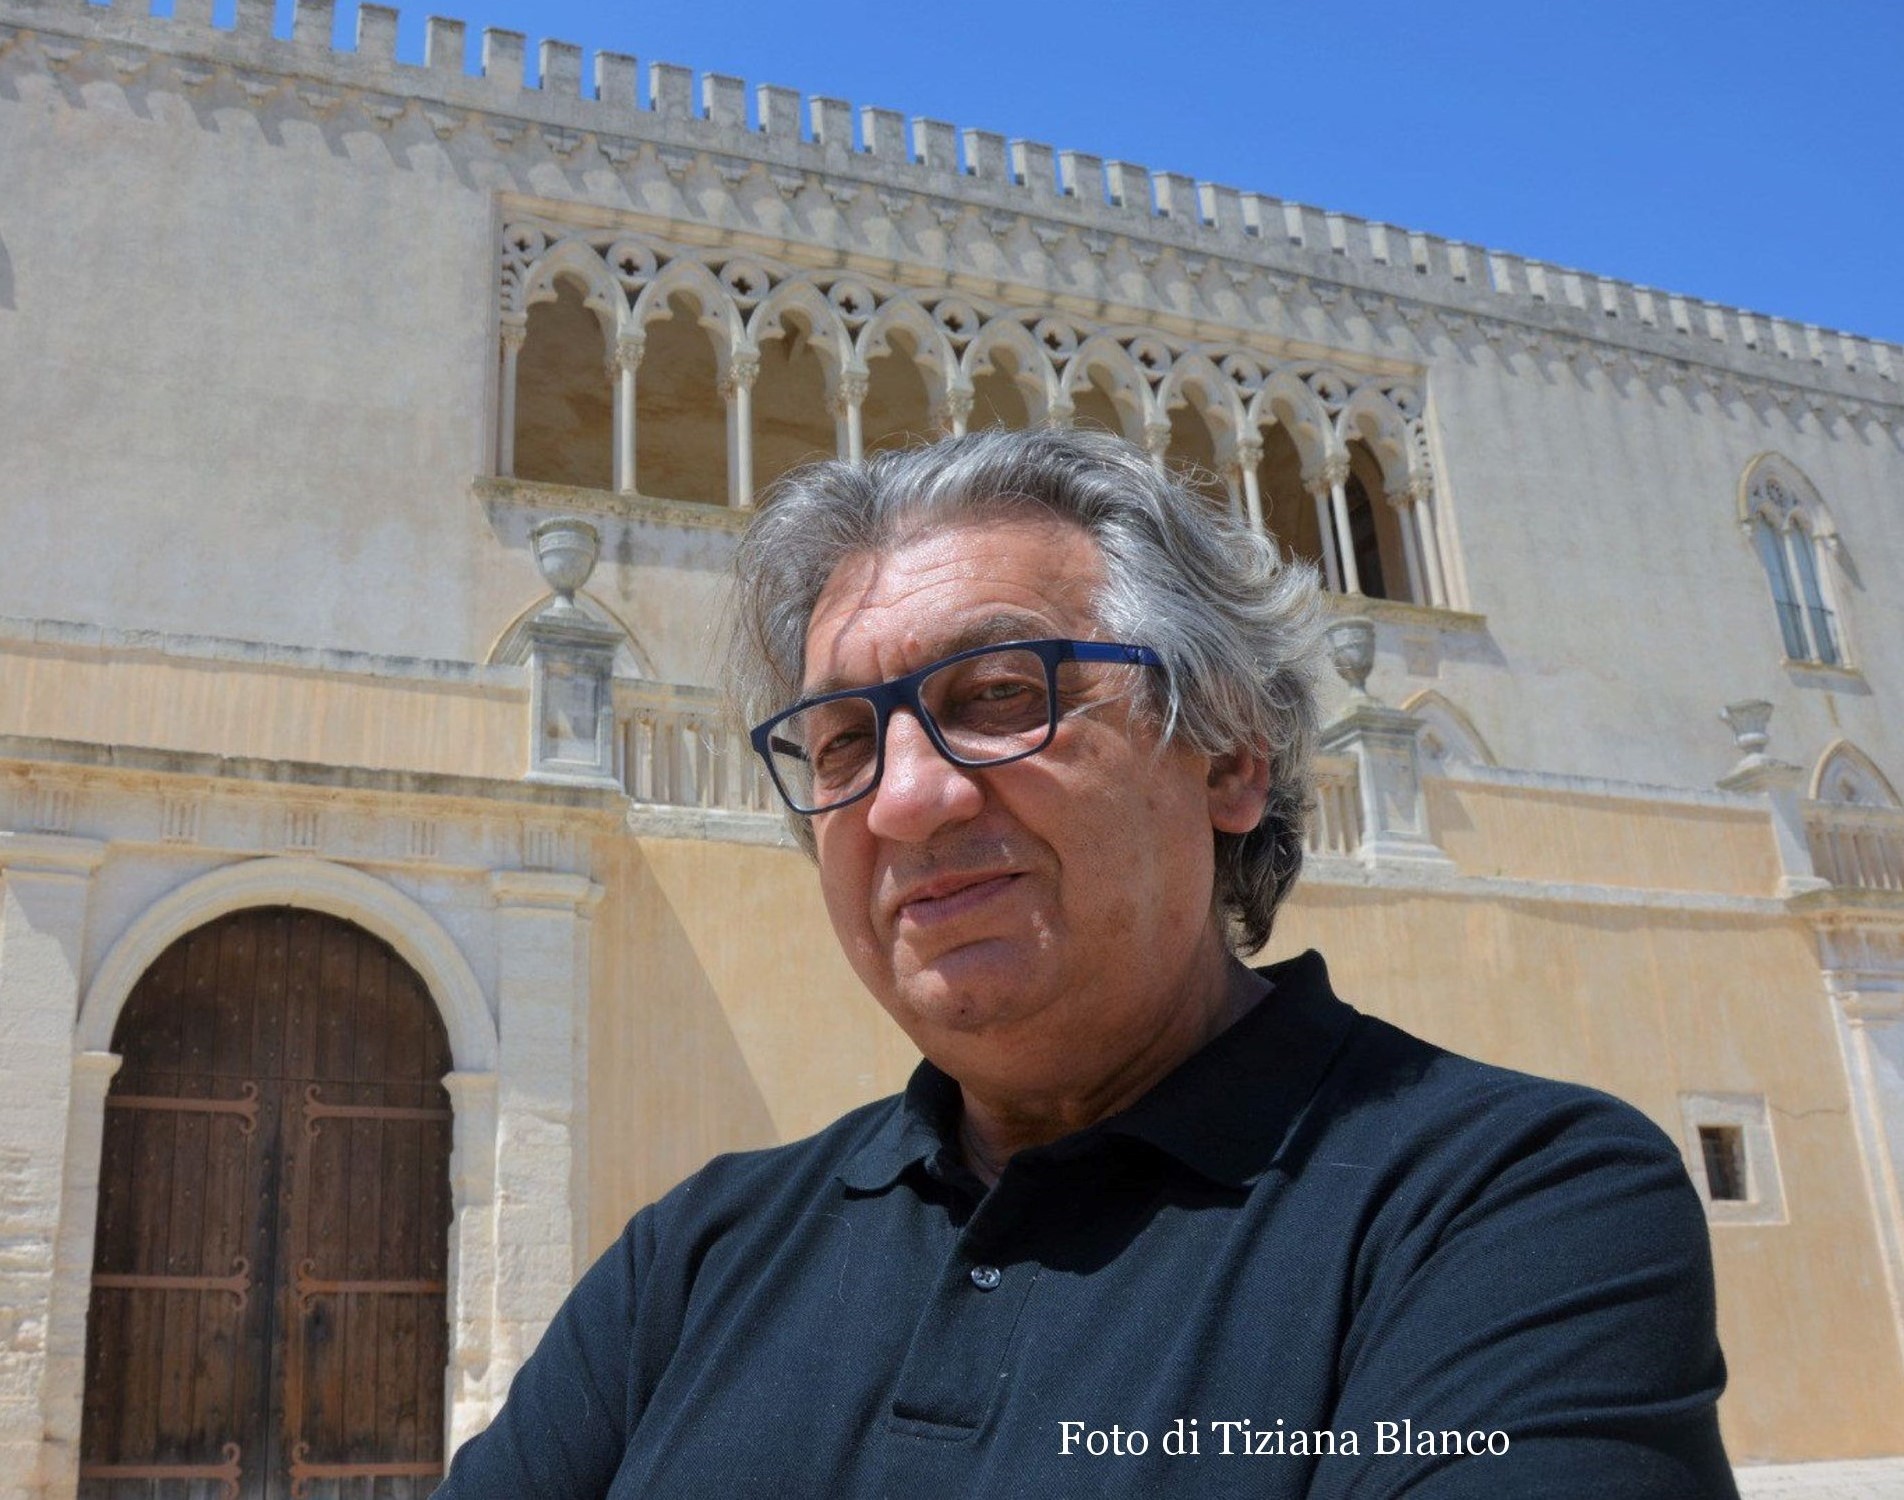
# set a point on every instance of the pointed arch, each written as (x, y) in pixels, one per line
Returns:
(1035, 375)
(694, 281)
(1785, 519)
(1448, 736)
(931, 350)
(577, 261)
(1126, 388)
(1774, 486)
(1286, 402)
(1220, 406)
(1372, 419)
(511, 647)
(826, 334)
(1845, 775)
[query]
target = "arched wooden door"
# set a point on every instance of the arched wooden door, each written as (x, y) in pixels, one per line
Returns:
(268, 1312)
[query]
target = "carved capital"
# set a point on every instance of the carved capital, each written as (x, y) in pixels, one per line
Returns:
(514, 335)
(741, 372)
(852, 387)
(1421, 488)
(1157, 438)
(1249, 453)
(627, 353)
(1335, 471)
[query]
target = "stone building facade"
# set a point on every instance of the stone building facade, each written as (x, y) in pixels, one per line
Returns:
(376, 438)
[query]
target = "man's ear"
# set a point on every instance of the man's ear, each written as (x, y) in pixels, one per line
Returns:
(1239, 790)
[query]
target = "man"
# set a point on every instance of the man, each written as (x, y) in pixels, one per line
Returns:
(1144, 1222)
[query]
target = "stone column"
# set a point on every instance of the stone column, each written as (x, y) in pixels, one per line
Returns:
(1337, 477)
(1325, 529)
(45, 886)
(848, 395)
(541, 1162)
(471, 1391)
(621, 370)
(1401, 504)
(73, 1263)
(958, 409)
(1863, 963)
(515, 332)
(1423, 491)
(1385, 745)
(1157, 443)
(737, 390)
(1249, 457)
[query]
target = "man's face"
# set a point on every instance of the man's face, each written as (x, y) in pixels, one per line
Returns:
(1030, 920)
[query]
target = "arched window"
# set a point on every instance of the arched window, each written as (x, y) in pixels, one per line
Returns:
(1793, 537)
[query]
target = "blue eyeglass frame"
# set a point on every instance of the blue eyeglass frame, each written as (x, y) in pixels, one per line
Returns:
(903, 692)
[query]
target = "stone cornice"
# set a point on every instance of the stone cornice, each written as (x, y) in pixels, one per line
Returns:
(1254, 263)
(81, 761)
(498, 494)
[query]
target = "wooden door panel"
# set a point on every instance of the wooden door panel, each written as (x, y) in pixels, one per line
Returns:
(269, 1315)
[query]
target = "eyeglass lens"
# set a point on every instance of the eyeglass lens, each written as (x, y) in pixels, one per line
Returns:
(986, 708)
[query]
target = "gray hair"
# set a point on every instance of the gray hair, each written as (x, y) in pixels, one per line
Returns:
(1234, 623)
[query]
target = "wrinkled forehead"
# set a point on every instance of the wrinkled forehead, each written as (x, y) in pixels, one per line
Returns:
(946, 588)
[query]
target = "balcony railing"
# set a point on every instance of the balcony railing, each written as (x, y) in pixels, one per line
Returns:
(674, 747)
(1334, 829)
(1861, 848)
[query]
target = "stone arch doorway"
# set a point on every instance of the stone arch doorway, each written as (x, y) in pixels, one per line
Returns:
(267, 1316)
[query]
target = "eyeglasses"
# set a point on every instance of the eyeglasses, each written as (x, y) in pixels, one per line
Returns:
(985, 707)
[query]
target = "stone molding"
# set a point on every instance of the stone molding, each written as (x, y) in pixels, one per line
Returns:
(122, 645)
(1853, 1479)
(538, 499)
(49, 854)
(1177, 241)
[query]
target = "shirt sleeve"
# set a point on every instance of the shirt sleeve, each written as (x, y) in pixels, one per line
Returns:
(562, 1432)
(1550, 1281)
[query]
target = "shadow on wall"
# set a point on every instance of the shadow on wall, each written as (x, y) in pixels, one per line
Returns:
(670, 1083)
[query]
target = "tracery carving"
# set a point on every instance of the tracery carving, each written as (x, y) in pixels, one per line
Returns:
(1238, 391)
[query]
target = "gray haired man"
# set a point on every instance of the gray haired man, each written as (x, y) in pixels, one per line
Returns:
(1145, 1221)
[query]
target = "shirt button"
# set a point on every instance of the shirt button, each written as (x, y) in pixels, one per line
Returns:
(986, 1278)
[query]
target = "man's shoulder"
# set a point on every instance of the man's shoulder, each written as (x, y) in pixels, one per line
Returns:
(1402, 1080)
(736, 1183)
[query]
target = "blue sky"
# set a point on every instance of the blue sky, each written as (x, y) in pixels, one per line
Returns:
(1747, 152)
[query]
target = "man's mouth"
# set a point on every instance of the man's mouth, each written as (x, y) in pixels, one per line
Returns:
(950, 896)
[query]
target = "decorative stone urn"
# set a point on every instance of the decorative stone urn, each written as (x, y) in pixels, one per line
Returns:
(566, 548)
(1352, 651)
(1749, 720)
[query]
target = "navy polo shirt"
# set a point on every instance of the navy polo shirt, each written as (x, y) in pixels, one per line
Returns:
(1322, 1258)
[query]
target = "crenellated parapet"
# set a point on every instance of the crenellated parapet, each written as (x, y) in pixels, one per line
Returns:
(668, 143)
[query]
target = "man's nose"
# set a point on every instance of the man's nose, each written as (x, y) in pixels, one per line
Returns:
(919, 790)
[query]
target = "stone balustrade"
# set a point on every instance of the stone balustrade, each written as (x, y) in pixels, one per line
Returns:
(1857, 848)
(675, 748)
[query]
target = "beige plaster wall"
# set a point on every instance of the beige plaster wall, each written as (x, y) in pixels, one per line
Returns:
(1542, 834)
(1649, 1004)
(227, 708)
(725, 1017)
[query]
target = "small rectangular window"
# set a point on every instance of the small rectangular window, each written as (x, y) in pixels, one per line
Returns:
(1732, 1157)
(1723, 1147)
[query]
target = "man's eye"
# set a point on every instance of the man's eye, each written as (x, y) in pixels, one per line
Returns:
(842, 751)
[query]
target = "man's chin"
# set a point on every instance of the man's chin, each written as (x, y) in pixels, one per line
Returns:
(972, 988)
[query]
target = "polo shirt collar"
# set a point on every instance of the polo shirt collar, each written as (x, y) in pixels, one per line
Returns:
(1225, 1112)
